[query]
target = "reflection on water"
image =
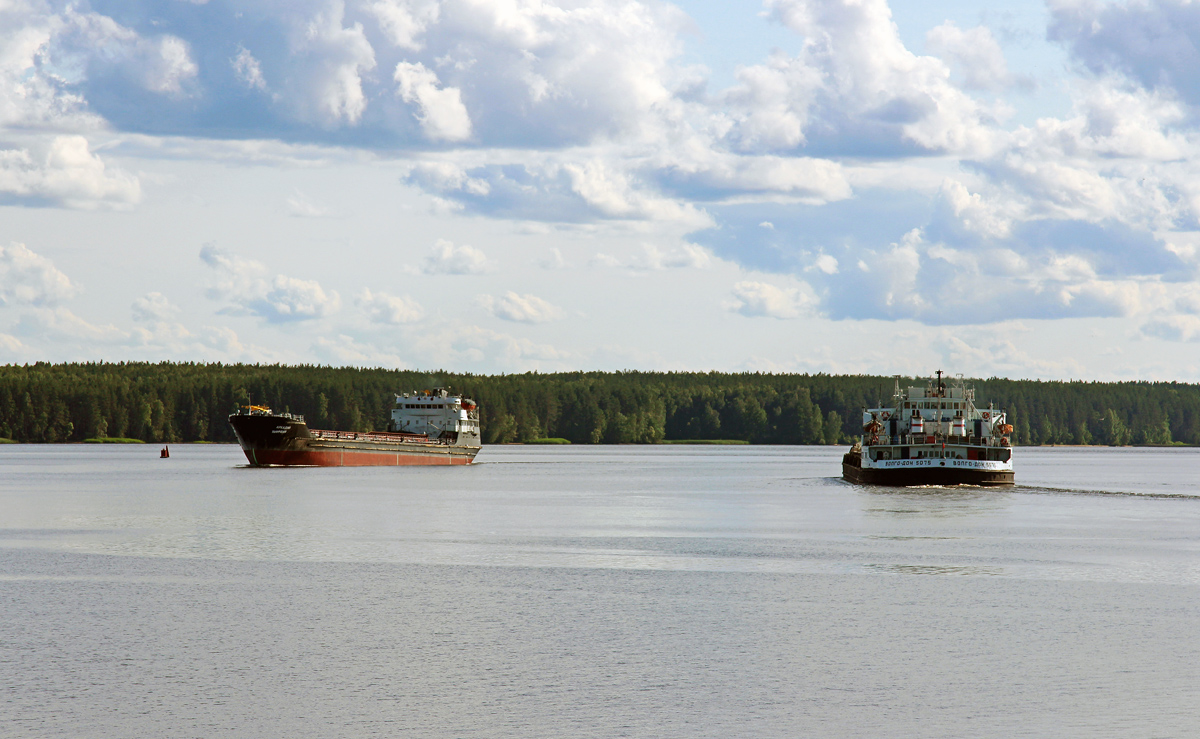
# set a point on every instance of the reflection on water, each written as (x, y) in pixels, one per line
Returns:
(935, 501)
(936, 570)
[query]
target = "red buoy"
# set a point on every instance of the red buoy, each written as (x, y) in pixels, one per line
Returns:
(164, 453)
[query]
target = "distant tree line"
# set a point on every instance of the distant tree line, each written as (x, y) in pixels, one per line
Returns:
(172, 402)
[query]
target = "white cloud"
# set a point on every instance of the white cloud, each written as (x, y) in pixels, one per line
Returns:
(445, 177)
(404, 21)
(170, 67)
(827, 263)
(301, 206)
(447, 259)
(67, 174)
(973, 51)
(937, 283)
(1123, 155)
(601, 259)
(611, 193)
(1189, 303)
(559, 189)
(343, 350)
(235, 275)
(248, 69)
(60, 323)
(974, 214)
(292, 299)
(521, 308)
(467, 345)
(756, 299)
(91, 44)
(389, 309)
(27, 278)
(685, 256)
(652, 258)
(853, 86)
(224, 340)
(553, 260)
(442, 115)
(10, 346)
(556, 71)
(326, 66)
(29, 95)
(717, 174)
(166, 337)
(1173, 328)
(1150, 42)
(153, 307)
(282, 299)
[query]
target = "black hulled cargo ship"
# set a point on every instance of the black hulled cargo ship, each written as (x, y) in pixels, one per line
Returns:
(934, 435)
(426, 428)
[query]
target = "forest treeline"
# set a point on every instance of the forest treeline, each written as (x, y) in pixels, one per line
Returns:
(174, 402)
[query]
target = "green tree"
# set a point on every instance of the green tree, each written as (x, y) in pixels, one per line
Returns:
(833, 428)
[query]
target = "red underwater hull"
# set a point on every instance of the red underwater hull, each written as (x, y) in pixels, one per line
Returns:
(350, 458)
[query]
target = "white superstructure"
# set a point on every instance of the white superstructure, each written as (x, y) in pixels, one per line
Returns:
(438, 415)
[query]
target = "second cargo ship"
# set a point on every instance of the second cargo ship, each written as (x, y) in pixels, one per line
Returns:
(426, 428)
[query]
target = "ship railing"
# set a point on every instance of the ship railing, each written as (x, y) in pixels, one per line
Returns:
(392, 436)
(262, 410)
(938, 438)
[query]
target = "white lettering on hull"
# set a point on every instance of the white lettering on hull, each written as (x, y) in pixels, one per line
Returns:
(966, 464)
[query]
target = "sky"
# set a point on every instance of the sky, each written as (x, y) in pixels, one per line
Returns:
(496, 186)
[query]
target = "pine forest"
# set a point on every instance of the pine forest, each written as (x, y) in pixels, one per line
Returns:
(186, 402)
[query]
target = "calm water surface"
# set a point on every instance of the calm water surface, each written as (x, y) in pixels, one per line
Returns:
(595, 592)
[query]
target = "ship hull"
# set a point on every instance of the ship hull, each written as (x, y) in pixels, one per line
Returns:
(279, 441)
(853, 471)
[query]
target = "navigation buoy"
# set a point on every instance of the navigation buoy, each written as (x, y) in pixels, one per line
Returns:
(164, 454)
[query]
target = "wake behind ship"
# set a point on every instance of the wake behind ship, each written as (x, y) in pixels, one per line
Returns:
(934, 435)
(427, 428)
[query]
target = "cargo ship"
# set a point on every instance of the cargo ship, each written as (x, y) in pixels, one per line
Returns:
(933, 435)
(431, 427)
